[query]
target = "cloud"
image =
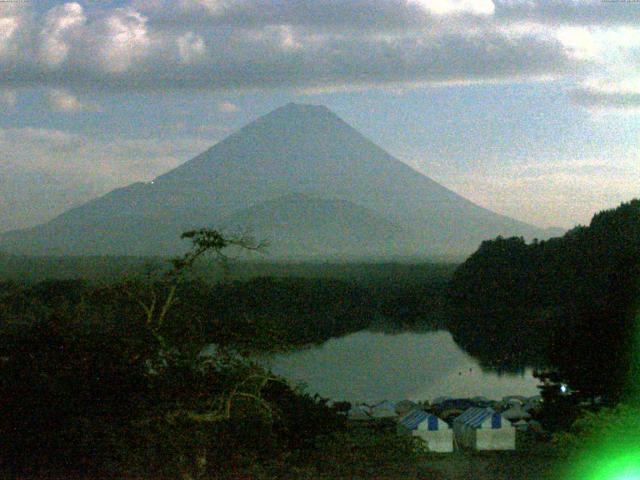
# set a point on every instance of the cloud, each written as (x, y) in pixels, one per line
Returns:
(609, 95)
(600, 99)
(13, 24)
(60, 24)
(8, 28)
(568, 12)
(44, 172)
(312, 45)
(191, 47)
(327, 15)
(228, 107)
(35, 148)
(62, 101)
(124, 39)
(551, 193)
(108, 161)
(213, 6)
(265, 45)
(8, 97)
(449, 7)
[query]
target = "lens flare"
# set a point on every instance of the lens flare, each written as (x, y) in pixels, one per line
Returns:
(612, 451)
(619, 469)
(597, 462)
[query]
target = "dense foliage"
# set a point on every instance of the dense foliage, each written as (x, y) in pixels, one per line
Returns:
(154, 378)
(258, 314)
(567, 303)
(100, 401)
(112, 268)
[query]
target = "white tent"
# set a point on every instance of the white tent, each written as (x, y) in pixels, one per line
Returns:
(514, 400)
(516, 413)
(434, 431)
(533, 403)
(481, 399)
(385, 409)
(484, 429)
(358, 412)
(521, 425)
(405, 406)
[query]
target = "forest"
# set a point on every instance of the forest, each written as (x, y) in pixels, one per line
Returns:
(113, 374)
(567, 305)
(116, 378)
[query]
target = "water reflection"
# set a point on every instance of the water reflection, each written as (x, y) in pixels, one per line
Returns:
(367, 366)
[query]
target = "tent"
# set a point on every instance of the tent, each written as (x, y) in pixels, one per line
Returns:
(452, 408)
(516, 413)
(521, 425)
(358, 412)
(484, 429)
(384, 409)
(434, 431)
(533, 403)
(481, 401)
(405, 406)
(514, 399)
(439, 400)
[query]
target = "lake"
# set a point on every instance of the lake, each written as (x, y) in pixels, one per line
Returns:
(368, 367)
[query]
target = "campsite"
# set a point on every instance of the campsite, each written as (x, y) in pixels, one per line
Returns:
(494, 448)
(319, 239)
(464, 425)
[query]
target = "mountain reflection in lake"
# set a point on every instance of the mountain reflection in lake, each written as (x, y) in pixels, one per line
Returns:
(368, 366)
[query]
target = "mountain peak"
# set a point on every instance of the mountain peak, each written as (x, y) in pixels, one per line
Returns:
(299, 111)
(296, 149)
(303, 108)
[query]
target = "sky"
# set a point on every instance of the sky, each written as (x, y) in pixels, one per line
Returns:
(530, 108)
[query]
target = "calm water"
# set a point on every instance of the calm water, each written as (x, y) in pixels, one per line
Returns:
(368, 366)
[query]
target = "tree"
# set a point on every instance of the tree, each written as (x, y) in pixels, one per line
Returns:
(568, 303)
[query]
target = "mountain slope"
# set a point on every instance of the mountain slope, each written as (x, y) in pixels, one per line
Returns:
(302, 226)
(300, 149)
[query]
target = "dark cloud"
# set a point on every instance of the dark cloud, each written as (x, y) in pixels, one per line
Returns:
(228, 45)
(606, 99)
(319, 14)
(126, 50)
(569, 12)
(386, 15)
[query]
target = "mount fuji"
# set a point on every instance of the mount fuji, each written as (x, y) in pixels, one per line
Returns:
(300, 178)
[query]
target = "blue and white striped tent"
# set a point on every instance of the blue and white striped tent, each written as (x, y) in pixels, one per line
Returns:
(478, 417)
(419, 419)
(437, 435)
(484, 429)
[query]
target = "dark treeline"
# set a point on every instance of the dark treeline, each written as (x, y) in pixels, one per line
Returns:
(120, 380)
(90, 388)
(292, 311)
(567, 303)
(24, 269)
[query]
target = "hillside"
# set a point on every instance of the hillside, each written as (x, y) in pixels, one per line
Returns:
(569, 302)
(299, 223)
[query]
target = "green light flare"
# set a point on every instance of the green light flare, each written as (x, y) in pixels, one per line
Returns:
(619, 469)
(600, 463)
(613, 450)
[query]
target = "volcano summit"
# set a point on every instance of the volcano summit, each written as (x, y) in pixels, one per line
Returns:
(298, 177)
